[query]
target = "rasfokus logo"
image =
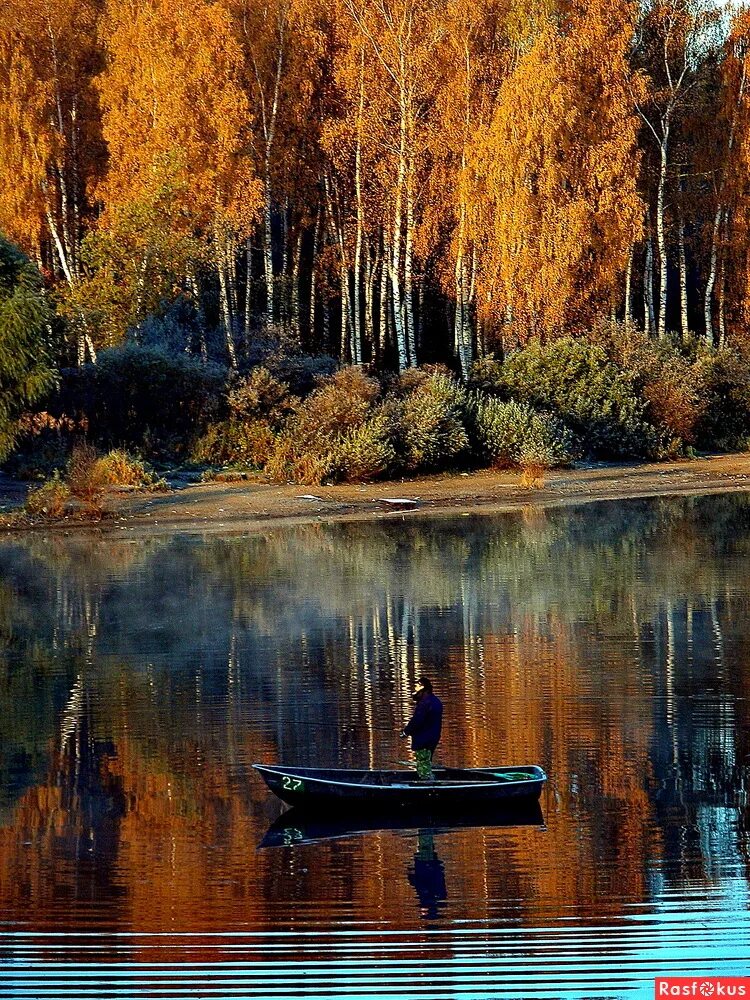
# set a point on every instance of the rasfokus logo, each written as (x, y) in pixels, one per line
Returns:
(702, 986)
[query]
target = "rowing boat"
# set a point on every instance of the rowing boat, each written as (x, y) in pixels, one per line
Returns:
(452, 787)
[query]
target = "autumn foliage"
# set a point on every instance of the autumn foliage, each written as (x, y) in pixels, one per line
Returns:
(385, 182)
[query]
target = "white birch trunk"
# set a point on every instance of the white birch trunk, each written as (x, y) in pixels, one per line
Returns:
(394, 265)
(383, 316)
(345, 310)
(711, 281)
(58, 244)
(411, 345)
(357, 310)
(628, 311)
(284, 297)
(326, 324)
(297, 256)
(462, 334)
(314, 272)
(684, 318)
(268, 249)
(193, 285)
(661, 240)
(226, 308)
(419, 319)
(371, 268)
(357, 304)
(231, 265)
(248, 293)
(90, 347)
(649, 319)
(268, 121)
(721, 296)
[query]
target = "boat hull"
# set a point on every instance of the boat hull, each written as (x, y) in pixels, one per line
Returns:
(454, 788)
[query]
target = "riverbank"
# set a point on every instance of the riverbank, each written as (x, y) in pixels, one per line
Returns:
(254, 504)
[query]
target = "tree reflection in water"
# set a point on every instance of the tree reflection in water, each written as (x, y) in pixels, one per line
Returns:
(139, 680)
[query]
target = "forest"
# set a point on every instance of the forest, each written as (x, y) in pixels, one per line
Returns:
(372, 237)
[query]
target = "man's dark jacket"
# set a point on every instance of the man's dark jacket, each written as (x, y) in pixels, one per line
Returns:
(424, 726)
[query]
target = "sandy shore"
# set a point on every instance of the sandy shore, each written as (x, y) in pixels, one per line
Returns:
(256, 505)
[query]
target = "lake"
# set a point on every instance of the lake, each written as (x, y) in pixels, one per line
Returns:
(141, 676)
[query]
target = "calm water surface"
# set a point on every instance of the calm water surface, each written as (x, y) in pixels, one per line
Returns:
(141, 677)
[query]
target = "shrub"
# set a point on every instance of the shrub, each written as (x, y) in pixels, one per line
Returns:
(143, 399)
(43, 445)
(242, 442)
(301, 373)
(223, 476)
(259, 405)
(341, 402)
(576, 380)
(260, 397)
(671, 385)
(118, 468)
(486, 375)
(725, 420)
(48, 500)
(86, 478)
(513, 434)
(433, 431)
(172, 329)
(366, 452)
(290, 463)
(308, 449)
(26, 371)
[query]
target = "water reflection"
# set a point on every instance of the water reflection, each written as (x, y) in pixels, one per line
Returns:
(296, 827)
(426, 870)
(139, 680)
(427, 875)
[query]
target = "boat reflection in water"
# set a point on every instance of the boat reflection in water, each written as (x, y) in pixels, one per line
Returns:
(426, 871)
(297, 827)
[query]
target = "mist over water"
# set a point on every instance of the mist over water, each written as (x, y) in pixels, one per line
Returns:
(140, 678)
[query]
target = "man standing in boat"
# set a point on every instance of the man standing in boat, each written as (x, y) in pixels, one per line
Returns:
(424, 727)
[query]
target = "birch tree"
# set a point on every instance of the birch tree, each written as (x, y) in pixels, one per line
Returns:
(556, 168)
(50, 132)
(672, 38)
(475, 58)
(402, 39)
(172, 101)
(282, 44)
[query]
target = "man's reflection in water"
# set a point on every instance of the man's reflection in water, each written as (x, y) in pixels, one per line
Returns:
(427, 875)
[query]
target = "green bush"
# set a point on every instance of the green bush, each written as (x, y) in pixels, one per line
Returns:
(301, 372)
(366, 452)
(118, 468)
(143, 399)
(308, 449)
(26, 371)
(433, 432)
(725, 420)
(49, 500)
(486, 375)
(43, 445)
(259, 405)
(242, 442)
(577, 381)
(670, 383)
(260, 396)
(513, 434)
(86, 477)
